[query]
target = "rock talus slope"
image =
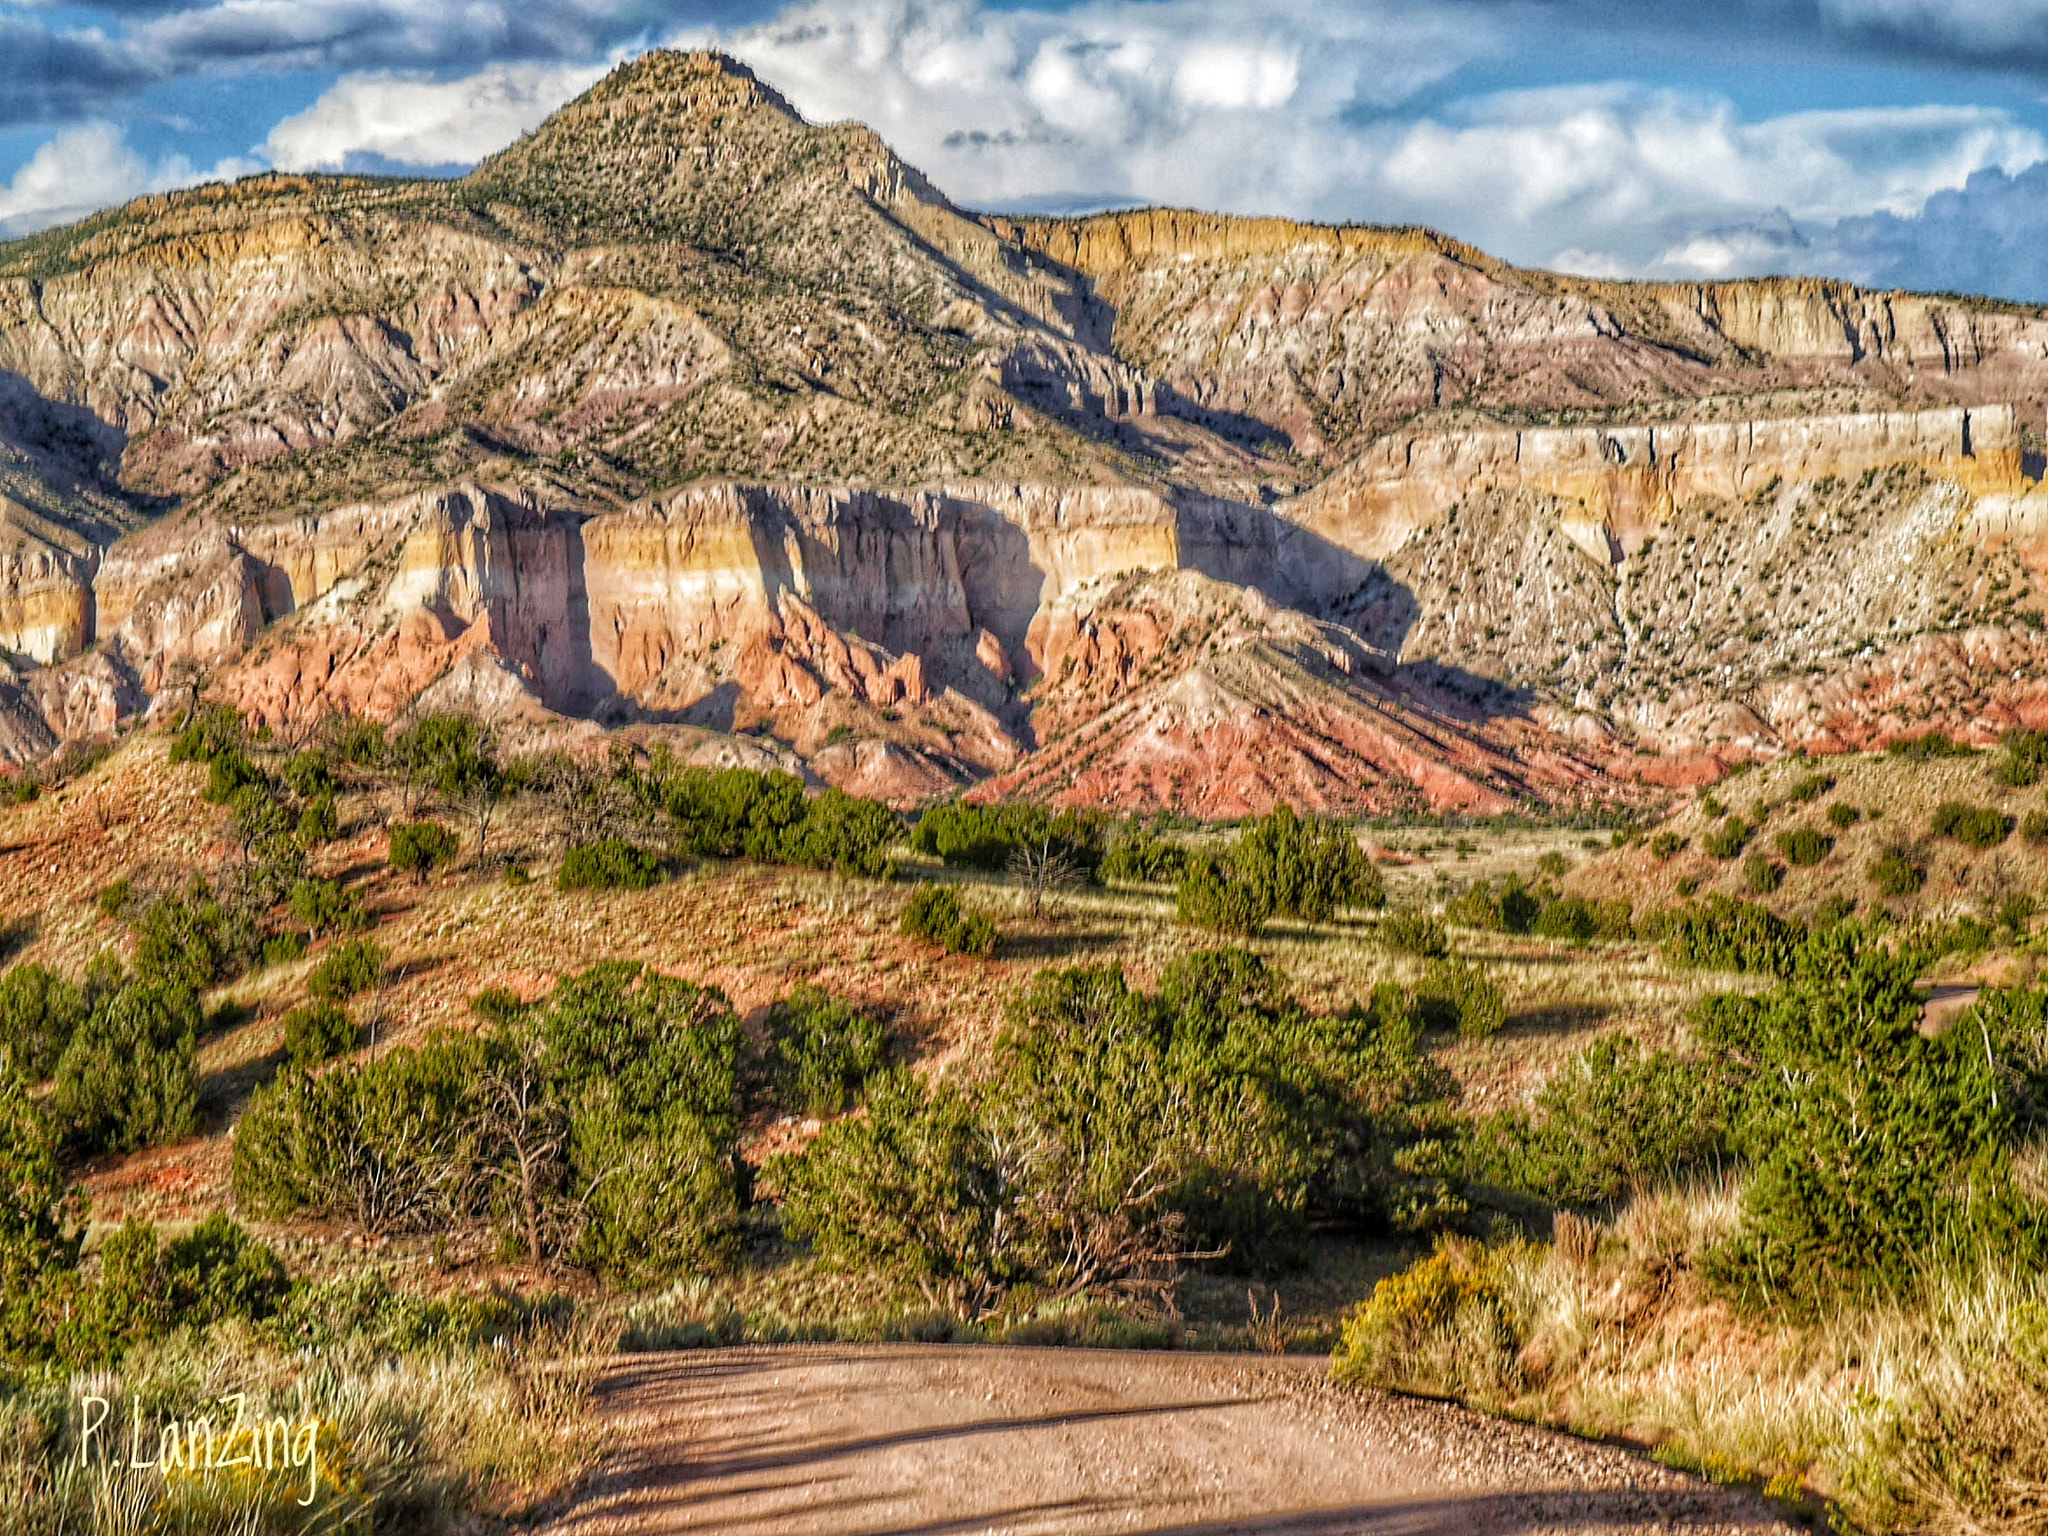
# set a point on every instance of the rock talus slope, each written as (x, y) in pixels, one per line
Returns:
(684, 411)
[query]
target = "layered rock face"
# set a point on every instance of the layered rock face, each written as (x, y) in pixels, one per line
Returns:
(684, 412)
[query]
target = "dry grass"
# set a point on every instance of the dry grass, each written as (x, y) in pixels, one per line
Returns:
(1928, 1413)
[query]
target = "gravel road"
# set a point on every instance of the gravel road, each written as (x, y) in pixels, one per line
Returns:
(920, 1440)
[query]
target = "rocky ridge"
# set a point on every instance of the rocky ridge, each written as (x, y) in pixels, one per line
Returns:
(686, 414)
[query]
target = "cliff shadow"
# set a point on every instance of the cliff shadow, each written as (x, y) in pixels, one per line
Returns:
(1293, 566)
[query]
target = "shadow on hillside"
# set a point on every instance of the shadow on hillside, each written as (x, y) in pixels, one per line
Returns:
(1058, 945)
(1293, 566)
(1562, 1019)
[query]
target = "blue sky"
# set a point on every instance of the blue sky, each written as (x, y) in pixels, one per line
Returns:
(1888, 141)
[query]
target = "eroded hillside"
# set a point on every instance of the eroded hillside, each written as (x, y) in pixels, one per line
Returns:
(683, 411)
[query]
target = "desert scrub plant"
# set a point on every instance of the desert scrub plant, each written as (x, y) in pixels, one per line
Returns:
(1727, 840)
(1665, 846)
(1723, 934)
(1761, 875)
(1895, 874)
(316, 1033)
(127, 1077)
(39, 1011)
(599, 1126)
(2022, 756)
(1804, 847)
(1441, 1326)
(989, 836)
(1512, 908)
(1973, 826)
(1578, 920)
(609, 864)
(355, 965)
(1613, 1121)
(1110, 1141)
(823, 1049)
(1872, 1146)
(1934, 744)
(419, 847)
(934, 914)
(1459, 995)
(1281, 865)
(323, 907)
(2034, 826)
(1416, 933)
(1809, 788)
(1842, 815)
(1139, 856)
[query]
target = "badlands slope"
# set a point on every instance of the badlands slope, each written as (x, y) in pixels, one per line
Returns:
(684, 416)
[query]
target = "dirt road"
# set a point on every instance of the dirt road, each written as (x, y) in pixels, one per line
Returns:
(923, 1440)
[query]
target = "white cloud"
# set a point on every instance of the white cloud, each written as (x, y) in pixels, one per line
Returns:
(1650, 180)
(414, 119)
(83, 169)
(1307, 109)
(1204, 101)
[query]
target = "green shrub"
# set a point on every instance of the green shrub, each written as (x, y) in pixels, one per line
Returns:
(1722, 934)
(146, 1289)
(934, 914)
(316, 1033)
(1971, 825)
(1415, 933)
(322, 907)
(1576, 920)
(1554, 864)
(283, 948)
(1872, 1146)
(1729, 839)
(318, 822)
(1760, 876)
(194, 939)
(307, 775)
(1894, 874)
(348, 968)
(823, 1050)
(1842, 816)
(112, 898)
(1809, 788)
(2034, 827)
(1442, 1325)
(2016, 913)
(207, 734)
(1511, 909)
(1459, 995)
(1140, 857)
(230, 773)
(1281, 865)
(1665, 846)
(23, 789)
(1803, 846)
(1117, 1131)
(39, 1012)
(1932, 745)
(418, 846)
(989, 836)
(2022, 756)
(609, 864)
(1614, 1121)
(841, 832)
(1209, 896)
(393, 1145)
(39, 1226)
(126, 1078)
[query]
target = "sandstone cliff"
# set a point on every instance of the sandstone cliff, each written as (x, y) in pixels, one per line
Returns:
(685, 414)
